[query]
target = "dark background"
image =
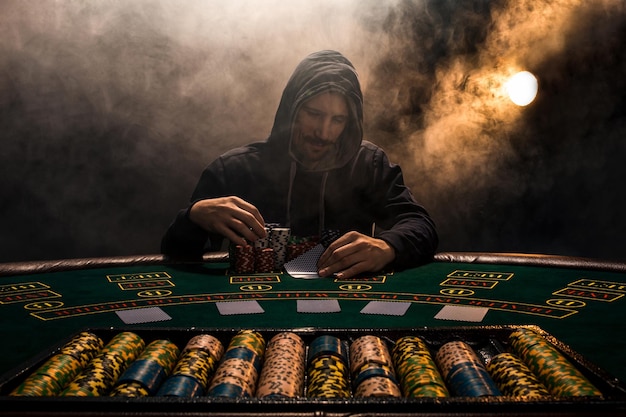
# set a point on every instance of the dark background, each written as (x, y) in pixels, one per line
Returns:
(109, 111)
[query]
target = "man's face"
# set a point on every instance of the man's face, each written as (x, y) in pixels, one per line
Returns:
(319, 123)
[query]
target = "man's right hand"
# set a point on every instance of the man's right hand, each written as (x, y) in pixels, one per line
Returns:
(231, 217)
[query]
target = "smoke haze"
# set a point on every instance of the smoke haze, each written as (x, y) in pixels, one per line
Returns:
(110, 110)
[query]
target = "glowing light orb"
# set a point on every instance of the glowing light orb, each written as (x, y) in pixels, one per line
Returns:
(522, 88)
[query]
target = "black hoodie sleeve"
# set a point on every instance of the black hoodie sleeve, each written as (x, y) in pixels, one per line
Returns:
(405, 224)
(184, 239)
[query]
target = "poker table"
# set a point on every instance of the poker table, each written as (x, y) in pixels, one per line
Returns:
(578, 304)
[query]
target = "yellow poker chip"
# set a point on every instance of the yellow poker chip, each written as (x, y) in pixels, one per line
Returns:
(198, 364)
(126, 340)
(81, 391)
(553, 369)
(250, 339)
(130, 389)
(105, 366)
(329, 381)
(87, 387)
(62, 368)
(164, 352)
(414, 343)
(328, 394)
(83, 347)
(37, 386)
(326, 362)
(514, 378)
(422, 378)
(436, 391)
(328, 366)
(416, 362)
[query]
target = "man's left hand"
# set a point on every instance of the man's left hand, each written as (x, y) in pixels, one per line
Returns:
(355, 253)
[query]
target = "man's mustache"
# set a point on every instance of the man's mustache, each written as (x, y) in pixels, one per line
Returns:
(317, 141)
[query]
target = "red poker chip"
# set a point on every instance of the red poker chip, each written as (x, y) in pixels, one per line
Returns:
(244, 259)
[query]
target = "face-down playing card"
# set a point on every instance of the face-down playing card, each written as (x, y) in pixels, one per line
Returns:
(305, 265)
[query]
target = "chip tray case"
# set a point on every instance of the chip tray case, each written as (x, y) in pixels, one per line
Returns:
(486, 341)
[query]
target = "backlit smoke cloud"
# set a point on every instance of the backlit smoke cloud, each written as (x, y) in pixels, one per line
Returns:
(171, 66)
(109, 110)
(496, 170)
(465, 106)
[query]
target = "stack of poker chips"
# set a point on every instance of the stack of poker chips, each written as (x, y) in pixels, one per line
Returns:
(264, 255)
(59, 370)
(328, 374)
(194, 369)
(299, 246)
(270, 253)
(279, 239)
(514, 378)
(143, 377)
(329, 236)
(264, 260)
(464, 372)
(242, 259)
(282, 375)
(416, 369)
(237, 373)
(371, 367)
(101, 373)
(553, 369)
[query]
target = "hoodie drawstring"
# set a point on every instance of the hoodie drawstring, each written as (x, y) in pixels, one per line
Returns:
(321, 203)
(322, 210)
(292, 177)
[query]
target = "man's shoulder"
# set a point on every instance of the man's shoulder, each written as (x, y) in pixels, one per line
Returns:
(370, 146)
(254, 156)
(371, 154)
(371, 150)
(250, 148)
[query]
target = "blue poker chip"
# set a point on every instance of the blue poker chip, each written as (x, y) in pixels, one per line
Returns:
(147, 372)
(180, 386)
(472, 381)
(240, 352)
(245, 354)
(327, 345)
(371, 372)
(227, 390)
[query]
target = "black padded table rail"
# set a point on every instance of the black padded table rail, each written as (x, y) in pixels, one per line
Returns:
(541, 260)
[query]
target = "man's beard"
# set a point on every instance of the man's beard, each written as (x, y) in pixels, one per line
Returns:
(317, 141)
(316, 160)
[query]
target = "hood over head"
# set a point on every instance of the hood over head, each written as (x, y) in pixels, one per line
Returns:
(321, 72)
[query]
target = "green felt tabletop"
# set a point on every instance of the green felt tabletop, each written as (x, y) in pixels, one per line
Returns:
(582, 309)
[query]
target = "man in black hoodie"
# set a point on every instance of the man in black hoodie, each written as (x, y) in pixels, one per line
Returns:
(314, 173)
